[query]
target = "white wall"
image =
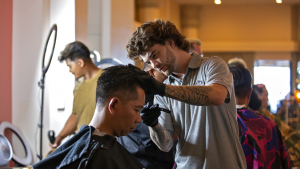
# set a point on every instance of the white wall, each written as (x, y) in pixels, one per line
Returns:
(28, 40)
(110, 24)
(59, 81)
(122, 21)
(32, 20)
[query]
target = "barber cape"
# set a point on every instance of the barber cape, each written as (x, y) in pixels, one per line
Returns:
(85, 150)
(140, 145)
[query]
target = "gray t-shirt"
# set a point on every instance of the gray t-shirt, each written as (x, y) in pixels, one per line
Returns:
(208, 136)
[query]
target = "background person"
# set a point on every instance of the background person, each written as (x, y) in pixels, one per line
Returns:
(77, 57)
(260, 137)
(195, 46)
(237, 62)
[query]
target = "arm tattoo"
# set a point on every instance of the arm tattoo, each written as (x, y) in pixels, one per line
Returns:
(196, 95)
(161, 137)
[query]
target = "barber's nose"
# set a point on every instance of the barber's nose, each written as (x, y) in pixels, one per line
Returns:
(154, 63)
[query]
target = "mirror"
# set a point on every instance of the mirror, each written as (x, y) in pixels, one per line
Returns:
(95, 56)
(49, 49)
(105, 63)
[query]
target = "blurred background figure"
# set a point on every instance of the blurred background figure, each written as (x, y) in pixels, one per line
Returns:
(195, 46)
(261, 91)
(291, 138)
(259, 102)
(255, 129)
(237, 62)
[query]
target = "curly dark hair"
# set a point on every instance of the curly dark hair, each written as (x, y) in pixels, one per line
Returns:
(151, 33)
(75, 50)
(118, 81)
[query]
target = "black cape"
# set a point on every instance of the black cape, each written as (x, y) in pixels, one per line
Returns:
(85, 150)
(139, 144)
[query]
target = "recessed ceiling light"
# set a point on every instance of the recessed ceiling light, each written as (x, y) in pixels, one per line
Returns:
(218, 2)
(279, 1)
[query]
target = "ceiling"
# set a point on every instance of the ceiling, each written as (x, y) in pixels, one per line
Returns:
(232, 2)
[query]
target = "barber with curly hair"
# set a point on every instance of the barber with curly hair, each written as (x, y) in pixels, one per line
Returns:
(199, 92)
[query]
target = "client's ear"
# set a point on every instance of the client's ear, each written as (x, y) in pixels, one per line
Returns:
(112, 103)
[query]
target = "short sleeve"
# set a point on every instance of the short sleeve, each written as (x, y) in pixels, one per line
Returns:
(165, 119)
(217, 72)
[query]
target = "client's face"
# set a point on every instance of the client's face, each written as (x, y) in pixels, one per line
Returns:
(129, 115)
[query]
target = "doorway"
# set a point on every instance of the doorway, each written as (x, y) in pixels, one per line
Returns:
(276, 76)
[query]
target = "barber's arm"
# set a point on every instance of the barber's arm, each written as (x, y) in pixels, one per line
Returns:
(213, 94)
(161, 137)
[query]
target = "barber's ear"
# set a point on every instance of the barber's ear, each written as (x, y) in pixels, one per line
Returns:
(171, 43)
(112, 104)
(80, 62)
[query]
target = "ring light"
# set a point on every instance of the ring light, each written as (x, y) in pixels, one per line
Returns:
(23, 161)
(45, 66)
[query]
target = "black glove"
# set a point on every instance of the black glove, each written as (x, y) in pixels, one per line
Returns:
(150, 114)
(154, 86)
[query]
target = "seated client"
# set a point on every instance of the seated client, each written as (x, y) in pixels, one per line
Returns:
(119, 99)
(139, 143)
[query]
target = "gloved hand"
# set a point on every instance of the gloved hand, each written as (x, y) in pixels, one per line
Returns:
(150, 114)
(154, 86)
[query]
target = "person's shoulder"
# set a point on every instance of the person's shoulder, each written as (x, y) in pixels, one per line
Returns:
(215, 59)
(100, 71)
(213, 63)
(249, 114)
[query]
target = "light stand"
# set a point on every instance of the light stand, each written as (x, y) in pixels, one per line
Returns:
(41, 84)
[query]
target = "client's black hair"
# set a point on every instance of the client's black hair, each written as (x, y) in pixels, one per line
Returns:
(118, 81)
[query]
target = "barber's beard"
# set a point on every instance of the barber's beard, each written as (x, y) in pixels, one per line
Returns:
(170, 62)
